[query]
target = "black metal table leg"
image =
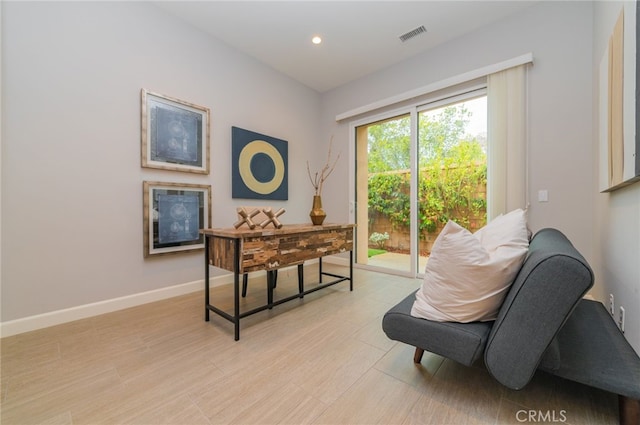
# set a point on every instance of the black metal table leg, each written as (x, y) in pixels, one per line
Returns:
(206, 279)
(236, 289)
(351, 270)
(301, 280)
(245, 282)
(271, 277)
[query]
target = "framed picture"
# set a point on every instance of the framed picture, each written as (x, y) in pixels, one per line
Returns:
(259, 165)
(175, 134)
(619, 102)
(174, 214)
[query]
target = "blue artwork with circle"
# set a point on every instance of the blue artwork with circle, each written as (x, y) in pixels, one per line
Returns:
(259, 166)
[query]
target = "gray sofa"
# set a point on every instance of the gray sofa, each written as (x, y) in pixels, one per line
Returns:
(543, 324)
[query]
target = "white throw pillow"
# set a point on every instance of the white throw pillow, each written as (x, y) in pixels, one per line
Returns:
(468, 275)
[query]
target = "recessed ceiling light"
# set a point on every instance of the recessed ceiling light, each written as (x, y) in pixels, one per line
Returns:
(316, 39)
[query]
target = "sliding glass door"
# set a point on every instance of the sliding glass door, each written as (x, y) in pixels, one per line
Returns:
(383, 185)
(452, 169)
(415, 171)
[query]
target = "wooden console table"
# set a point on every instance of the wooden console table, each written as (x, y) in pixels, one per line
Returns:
(244, 250)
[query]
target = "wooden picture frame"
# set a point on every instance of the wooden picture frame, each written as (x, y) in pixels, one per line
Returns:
(619, 103)
(173, 215)
(174, 133)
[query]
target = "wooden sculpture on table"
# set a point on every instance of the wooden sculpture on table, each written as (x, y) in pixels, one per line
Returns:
(272, 217)
(260, 216)
(246, 217)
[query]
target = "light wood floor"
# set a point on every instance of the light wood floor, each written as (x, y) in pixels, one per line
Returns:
(321, 360)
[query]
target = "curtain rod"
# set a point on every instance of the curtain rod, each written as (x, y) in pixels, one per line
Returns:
(448, 82)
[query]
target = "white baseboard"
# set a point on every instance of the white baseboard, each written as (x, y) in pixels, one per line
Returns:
(45, 320)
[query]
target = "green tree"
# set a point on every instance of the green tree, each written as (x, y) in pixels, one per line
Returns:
(452, 169)
(439, 134)
(389, 145)
(389, 142)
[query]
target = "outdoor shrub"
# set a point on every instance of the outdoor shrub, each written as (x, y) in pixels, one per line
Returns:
(379, 239)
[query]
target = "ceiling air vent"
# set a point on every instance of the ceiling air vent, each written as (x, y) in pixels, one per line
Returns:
(421, 29)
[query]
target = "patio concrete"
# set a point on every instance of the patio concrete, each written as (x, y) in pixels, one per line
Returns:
(396, 261)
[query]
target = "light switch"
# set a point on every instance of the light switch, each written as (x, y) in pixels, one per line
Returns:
(543, 196)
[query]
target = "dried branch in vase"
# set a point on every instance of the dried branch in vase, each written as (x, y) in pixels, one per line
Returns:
(318, 179)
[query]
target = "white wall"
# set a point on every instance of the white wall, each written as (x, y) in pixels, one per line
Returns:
(559, 36)
(617, 222)
(71, 174)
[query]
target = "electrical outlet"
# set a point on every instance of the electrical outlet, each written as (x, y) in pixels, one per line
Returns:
(621, 319)
(612, 310)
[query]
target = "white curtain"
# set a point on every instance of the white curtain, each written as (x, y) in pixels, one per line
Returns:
(507, 133)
